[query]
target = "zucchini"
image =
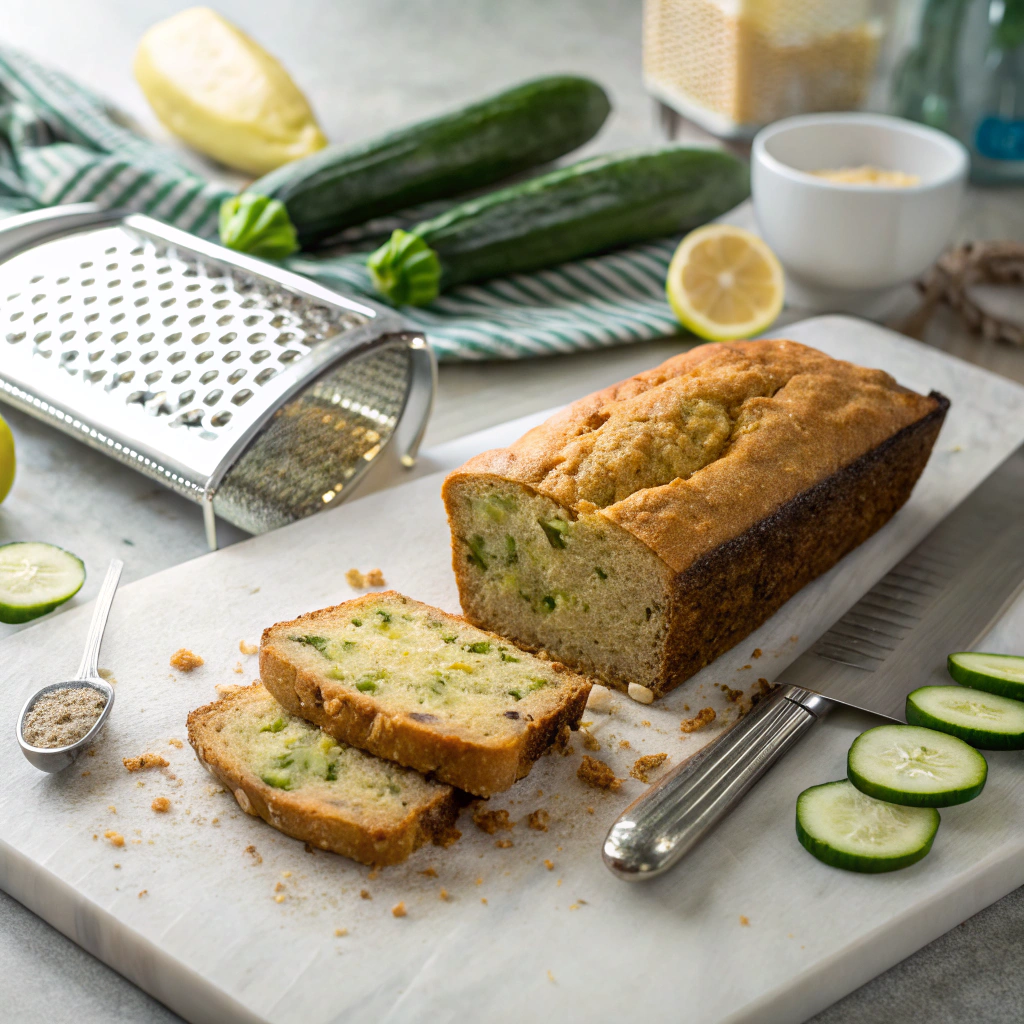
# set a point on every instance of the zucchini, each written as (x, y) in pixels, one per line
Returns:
(341, 186)
(576, 211)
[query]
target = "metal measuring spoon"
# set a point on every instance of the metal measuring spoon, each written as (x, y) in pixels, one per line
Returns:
(56, 759)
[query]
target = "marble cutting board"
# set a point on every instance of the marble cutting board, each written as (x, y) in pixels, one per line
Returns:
(226, 921)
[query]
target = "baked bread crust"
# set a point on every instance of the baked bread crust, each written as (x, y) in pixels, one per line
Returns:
(318, 822)
(481, 767)
(748, 469)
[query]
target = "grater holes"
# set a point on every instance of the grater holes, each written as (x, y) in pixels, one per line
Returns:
(145, 339)
(67, 336)
(144, 319)
(258, 357)
(168, 320)
(91, 318)
(214, 396)
(142, 300)
(36, 299)
(114, 301)
(263, 376)
(63, 299)
(221, 419)
(257, 338)
(223, 321)
(139, 267)
(193, 288)
(63, 280)
(147, 357)
(88, 282)
(181, 376)
(139, 284)
(204, 356)
(230, 357)
(172, 338)
(94, 376)
(96, 355)
(209, 376)
(164, 285)
(198, 339)
(17, 315)
(117, 318)
(221, 303)
(119, 337)
(235, 376)
(196, 320)
(119, 357)
(186, 396)
(226, 339)
(289, 356)
(167, 302)
(110, 266)
(88, 300)
(93, 335)
(114, 283)
(68, 356)
(41, 337)
(85, 266)
(284, 337)
(251, 321)
(65, 317)
(15, 337)
(175, 357)
(219, 289)
(139, 250)
(38, 318)
(242, 397)
(194, 303)
(36, 279)
(152, 378)
(189, 418)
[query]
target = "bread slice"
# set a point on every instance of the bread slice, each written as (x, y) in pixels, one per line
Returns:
(418, 686)
(647, 528)
(305, 784)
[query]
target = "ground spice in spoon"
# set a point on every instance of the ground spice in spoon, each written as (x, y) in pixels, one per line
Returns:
(62, 717)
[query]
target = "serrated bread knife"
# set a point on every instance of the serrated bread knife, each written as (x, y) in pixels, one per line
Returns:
(943, 597)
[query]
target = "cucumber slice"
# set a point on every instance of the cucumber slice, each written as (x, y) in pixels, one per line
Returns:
(916, 767)
(35, 578)
(996, 673)
(843, 828)
(982, 719)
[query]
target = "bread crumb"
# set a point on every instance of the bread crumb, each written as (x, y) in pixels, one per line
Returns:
(365, 894)
(248, 649)
(148, 760)
(549, 864)
(483, 900)
(354, 578)
(743, 668)
(175, 742)
(561, 743)
(143, 893)
(340, 932)
(373, 875)
(641, 694)
(117, 865)
(589, 741)
(703, 717)
(106, 674)
(551, 978)
(279, 898)
(116, 839)
(226, 689)
(398, 910)
(645, 723)
(185, 660)
(597, 773)
(744, 921)
(642, 766)
(793, 639)
(600, 698)
(503, 844)
(238, 670)
(251, 850)
(429, 873)
(112, 808)
(538, 820)
(623, 744)
(358, 581)
(757, 652)
(590, 810)
(491, 821)
(286, 874)
(733, 695)
(479, 881)
(443, 895)
(279, 887)
(84, 774)
(160, 804)
(375, 578)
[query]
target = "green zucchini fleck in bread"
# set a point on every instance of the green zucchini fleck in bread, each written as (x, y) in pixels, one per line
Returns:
(423, 688)
(309, 786)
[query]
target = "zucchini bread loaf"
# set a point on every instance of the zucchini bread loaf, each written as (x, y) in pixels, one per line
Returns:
(418, 686)
(649, 527)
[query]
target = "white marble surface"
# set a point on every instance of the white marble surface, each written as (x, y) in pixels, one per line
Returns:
(207, 937)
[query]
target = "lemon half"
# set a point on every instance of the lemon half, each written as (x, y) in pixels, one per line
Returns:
(723, 282)
(7, 461)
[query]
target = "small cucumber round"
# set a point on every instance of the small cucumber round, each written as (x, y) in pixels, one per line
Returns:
(35, 578)
(982, 719)
(915, 767)
(996, 673)
(843, 828)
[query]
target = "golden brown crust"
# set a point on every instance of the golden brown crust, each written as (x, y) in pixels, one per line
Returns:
(699, 449)
(478, 767)
(317, 822)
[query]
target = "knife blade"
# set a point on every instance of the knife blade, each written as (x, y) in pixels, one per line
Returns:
(942, 597)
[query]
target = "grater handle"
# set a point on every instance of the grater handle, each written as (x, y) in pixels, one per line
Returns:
(28, 229)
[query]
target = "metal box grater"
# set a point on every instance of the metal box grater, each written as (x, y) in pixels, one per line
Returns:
(253, 391)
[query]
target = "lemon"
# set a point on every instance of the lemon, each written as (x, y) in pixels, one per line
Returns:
(6, 458)
(723, 282)
(223, 94)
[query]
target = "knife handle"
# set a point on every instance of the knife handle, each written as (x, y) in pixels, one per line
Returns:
(659, 827)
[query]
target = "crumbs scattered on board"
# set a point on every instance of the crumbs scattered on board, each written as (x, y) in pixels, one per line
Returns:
(185, 660)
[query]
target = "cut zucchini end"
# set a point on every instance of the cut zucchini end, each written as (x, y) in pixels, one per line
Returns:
(915, 766)
(844, 828)
(978, 717)
(35, 578)
(405, 270)
(257, 225)
(994, 673)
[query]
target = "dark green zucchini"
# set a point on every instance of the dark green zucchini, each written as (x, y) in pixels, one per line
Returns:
(341, 186)
(598, 204)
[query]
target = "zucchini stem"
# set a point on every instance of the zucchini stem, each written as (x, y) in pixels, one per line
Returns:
(257, 225)
(405, 270)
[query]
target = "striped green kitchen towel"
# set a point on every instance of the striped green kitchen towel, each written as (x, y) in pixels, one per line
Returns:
(59, 143)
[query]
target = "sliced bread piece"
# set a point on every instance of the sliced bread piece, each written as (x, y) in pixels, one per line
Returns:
(418, 686)
(310, 787)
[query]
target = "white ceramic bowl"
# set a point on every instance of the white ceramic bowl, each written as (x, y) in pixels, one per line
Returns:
(841, 243)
